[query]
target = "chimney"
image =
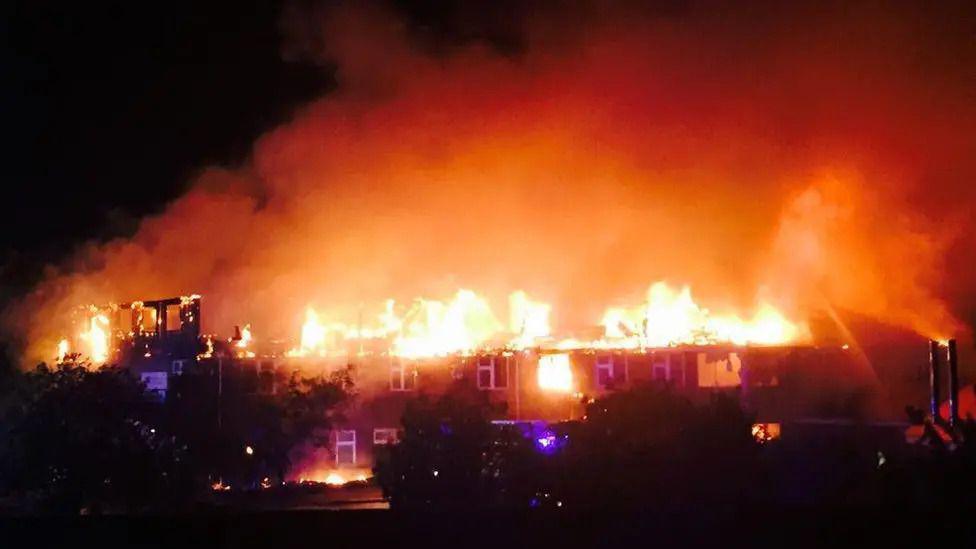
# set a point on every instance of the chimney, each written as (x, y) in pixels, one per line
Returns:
(237, 334)
(953, 384)
(934, 389)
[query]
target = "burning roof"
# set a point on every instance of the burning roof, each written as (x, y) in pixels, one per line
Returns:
(464, 324)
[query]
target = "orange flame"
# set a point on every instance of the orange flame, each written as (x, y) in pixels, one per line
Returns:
(555, 374)
(671, 317)
(96, 338)
(63, 350)
(244, 342)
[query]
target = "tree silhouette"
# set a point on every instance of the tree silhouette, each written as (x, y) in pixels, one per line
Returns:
(80, 439)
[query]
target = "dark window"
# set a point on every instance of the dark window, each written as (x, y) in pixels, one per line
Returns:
(604, 370)
(492, 373)
(501, 374)
(484, 379)
(660, 372)
(677, 372)
(402, 376)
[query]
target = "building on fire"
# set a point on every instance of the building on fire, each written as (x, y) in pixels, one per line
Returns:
(160, 340)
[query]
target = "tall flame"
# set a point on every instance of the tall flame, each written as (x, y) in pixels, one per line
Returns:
(529, 320)
(96, 337)
(243, 343)
(63, 350)
(672, 317)
(313, 335)
(433, 328)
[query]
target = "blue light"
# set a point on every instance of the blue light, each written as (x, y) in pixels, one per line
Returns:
(546, 442)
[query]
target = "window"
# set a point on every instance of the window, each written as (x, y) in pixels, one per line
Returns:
(385, 436)
(178, 366)
(156, 384)
(124, 321)
(677, 371)
(345, 447)
(147, 318)
(492, 373)
(173, 321)
(402, 376)
(604, 371)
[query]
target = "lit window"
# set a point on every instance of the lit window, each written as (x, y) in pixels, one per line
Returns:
(345, 450)
(402, 377)
(491, 373)
(604, 371)
(147, 319)
(554, 373)
(173, 321)
(385, 436)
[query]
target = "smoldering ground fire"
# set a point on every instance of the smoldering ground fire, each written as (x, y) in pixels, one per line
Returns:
(599, 159)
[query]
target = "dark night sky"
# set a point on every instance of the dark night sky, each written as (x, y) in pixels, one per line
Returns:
(115, 104)
(110, 107)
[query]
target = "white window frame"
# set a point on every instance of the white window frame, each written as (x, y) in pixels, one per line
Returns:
(604, 362)
(399, 372)
(385, 435)
(482, 366)
(342, 442)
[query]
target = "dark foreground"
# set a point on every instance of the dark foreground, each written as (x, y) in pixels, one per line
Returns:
(795, 527)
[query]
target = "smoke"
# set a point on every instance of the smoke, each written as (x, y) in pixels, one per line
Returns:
(813, 156)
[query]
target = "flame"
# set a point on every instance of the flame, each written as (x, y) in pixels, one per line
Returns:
(765, 432)
(529, 320)
(96, 337)
(672, 317)
(434, 328)
(555, 374)
(334, 479)
(244, 341)
(210, 348)
(428, 328)
(313, 333)
(245, 337)
(466, 324)
(313, 336)
(63, 350)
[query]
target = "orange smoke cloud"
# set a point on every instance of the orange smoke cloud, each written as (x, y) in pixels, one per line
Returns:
(774, 158)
